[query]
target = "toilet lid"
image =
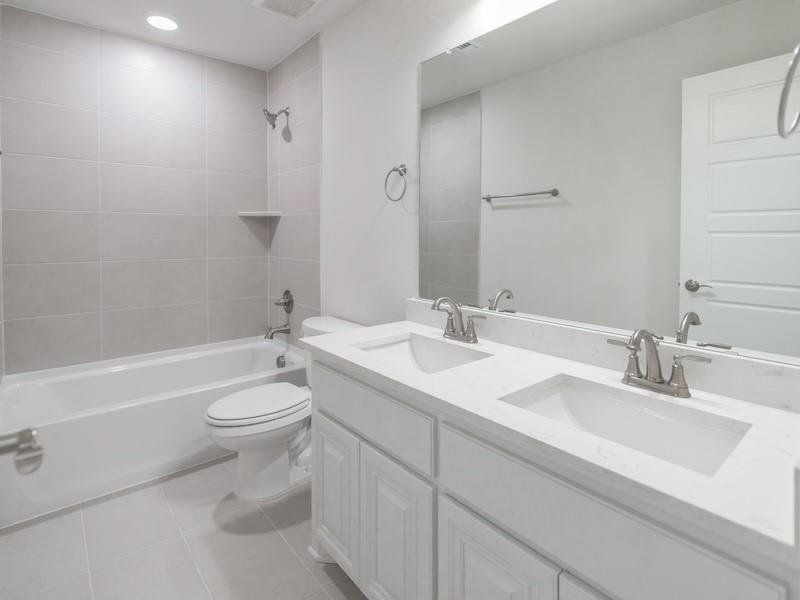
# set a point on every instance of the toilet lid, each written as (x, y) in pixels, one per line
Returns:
(261, 401)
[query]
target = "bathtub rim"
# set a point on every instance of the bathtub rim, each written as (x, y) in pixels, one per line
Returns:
(104, 367)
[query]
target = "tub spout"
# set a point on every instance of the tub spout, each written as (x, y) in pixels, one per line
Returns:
(273, 330)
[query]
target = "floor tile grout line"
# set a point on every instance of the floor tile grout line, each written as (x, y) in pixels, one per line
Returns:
(291, 548)
(185, 541)
(86, 554)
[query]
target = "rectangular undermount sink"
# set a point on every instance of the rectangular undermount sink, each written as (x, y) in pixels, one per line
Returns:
(691, 438)
(422, 353)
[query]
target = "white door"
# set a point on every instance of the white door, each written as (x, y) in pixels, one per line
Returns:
(397, 530)
(478, 562)
(740, 210)
(334, 515)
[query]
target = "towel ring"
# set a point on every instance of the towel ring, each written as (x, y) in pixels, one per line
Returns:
(400, 170)
(787, 88)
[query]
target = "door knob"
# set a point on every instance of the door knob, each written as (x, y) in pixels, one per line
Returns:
(693, 285)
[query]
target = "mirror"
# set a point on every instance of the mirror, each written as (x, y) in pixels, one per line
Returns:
(637, 145)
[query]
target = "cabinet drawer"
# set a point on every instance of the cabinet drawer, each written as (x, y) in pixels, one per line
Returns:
(402, 431)
(619, 553)
(479, 562)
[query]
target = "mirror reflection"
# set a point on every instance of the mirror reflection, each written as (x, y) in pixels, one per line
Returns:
(628, 175)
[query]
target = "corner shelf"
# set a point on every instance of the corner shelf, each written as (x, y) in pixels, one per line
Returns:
(259, 214)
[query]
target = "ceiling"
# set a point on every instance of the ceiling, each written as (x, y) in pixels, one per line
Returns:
(551, 34)
(232, 30)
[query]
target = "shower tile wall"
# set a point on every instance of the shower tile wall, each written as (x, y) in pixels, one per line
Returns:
(450, 198)
(124, 164)
(294, 184)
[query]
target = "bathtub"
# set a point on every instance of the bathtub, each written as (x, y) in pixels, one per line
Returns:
(113, 424)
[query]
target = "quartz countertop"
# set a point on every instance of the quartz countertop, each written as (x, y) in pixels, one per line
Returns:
(750, 498)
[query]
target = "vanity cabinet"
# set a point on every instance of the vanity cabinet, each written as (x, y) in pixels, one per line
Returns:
(384, 472)
(371, 515)
(478, 562)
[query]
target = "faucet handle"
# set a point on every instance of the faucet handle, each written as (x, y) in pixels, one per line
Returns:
(677, 359)
(622, 343)
(470, 334)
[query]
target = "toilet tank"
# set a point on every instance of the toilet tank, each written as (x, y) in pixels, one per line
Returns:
(320, 326)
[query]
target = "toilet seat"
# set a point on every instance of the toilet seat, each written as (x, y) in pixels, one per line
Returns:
(260, 405)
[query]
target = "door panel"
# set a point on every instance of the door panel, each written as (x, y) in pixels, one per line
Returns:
(740, 209)
(335, 492)
(397, 530)
(478, 562)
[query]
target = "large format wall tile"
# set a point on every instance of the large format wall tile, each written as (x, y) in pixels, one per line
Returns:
(45, 32)
(234, 110)
(50, 289)
(237, 153)
(41, 236)
(296, 237)
(121, 51)
(230, 278)
(231, 319)
(140, 237)
(42, 343)
(135, 284)
(234, 236)
(137, 141)
(229, 193)
(136, 188)
(238, 77)
(33, 73)
(38, 183)
(142, 330)
(48, 130)
(300, 276)
(142, 93)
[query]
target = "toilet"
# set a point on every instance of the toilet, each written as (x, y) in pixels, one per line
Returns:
(270, 428)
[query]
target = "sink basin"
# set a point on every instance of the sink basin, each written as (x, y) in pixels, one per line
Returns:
(690, 438)
(422, 353)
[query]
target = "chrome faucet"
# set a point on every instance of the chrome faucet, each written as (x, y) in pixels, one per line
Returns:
(653, 379)
(690, 318)
(504, 293)
(454, 328)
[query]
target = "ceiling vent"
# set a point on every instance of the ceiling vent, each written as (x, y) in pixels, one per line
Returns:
(296, 9)
(464, 48)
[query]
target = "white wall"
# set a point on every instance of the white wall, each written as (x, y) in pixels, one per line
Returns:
(605, 128)
(370, 121)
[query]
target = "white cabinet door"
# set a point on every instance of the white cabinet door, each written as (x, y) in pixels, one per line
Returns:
(572, 589)
(335, 492)
(478, 562)
(397, 530)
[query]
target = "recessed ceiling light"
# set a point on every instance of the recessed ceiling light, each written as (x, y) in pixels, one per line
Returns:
(162, 22)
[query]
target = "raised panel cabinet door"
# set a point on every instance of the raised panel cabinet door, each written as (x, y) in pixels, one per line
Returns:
(334, 514)
(396, 530)
(479, 562)
(570, 588)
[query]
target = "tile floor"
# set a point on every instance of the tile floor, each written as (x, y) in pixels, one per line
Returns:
(184, 538)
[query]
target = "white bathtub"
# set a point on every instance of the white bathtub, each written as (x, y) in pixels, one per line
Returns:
(112, 424)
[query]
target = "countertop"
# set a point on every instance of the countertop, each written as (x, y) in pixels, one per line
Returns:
(750, 498)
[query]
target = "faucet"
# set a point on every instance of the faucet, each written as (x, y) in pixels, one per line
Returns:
(271, 331)
(454, 328)
(690, 318)
(653, 379)
(504, 293)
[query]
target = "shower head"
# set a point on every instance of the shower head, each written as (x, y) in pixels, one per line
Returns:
(272, 118)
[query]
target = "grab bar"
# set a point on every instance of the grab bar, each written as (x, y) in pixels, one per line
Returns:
(554, 192)
(28, 453)
(787, 88)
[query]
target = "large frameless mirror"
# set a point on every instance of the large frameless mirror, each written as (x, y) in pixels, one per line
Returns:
(618, 164)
